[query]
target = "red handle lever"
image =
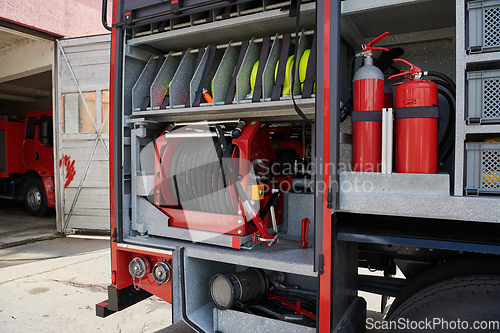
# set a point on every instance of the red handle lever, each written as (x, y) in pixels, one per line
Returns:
(413, 69)
(370, 45)
(303, 233)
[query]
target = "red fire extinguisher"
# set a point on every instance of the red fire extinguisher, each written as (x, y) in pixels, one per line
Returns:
(416, 115)
(368, 101)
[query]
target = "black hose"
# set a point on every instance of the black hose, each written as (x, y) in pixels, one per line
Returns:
(175, 169)
(203, 176)
(446, 79)
(447, 154)
(266, 311)
(444, 85)
(220, 181)
(197, 177)
(450, 128)
(212, 182)
(230, 164)
(182, 170)
(226, 203)
(191, 175)
(215, 181)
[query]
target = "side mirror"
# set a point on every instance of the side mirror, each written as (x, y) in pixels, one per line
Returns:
(45, 129)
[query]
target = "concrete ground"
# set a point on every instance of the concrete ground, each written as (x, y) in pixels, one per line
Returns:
(18, 227)
(53, 286)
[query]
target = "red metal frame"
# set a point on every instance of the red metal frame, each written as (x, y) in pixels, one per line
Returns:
(123, 258)
(114, 247)
(119, 257)
(325, 279)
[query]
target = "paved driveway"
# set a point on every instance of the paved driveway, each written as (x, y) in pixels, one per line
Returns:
(18, 227)
(53, 286)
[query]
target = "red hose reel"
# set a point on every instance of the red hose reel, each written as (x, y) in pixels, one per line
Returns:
(193, 187)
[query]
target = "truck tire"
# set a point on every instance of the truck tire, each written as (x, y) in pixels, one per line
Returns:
(35, 199)
(451, 305)
(446, 271)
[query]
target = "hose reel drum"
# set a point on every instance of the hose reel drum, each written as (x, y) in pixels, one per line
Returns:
(192, 182)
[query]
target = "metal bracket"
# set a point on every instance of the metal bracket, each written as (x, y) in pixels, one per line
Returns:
(329, 198)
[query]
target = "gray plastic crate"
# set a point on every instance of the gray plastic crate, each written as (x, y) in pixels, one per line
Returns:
(483, 26)
(483, 167)
(483, 104)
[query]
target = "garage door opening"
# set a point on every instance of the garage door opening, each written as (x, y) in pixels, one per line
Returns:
(27, 199)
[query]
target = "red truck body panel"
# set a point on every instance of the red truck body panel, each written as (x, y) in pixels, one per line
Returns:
(22, 153)
(12, 133)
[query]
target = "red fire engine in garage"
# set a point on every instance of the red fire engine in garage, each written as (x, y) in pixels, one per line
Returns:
(27, 161)
(257, 163)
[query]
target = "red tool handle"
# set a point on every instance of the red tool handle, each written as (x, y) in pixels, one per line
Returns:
(413, 69)
(370, 45)
(304, 231)
(297, 307)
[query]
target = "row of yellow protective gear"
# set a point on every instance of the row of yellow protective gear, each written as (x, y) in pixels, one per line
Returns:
(304, 60)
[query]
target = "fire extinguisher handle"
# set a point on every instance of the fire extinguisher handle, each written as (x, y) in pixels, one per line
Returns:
(412, 70)
(370, 45)
(403, 73)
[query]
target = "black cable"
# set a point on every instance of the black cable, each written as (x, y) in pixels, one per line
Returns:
(266, 311)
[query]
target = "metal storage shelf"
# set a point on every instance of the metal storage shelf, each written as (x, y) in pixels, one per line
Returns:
(273, 110)
(482, 57)
(279, 257)
(358, 18)
(243, 28)
(484, 128)
(412, 195)
(362, 19)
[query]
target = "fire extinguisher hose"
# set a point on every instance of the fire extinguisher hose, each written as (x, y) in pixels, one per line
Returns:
(446, 145)
(445, 78)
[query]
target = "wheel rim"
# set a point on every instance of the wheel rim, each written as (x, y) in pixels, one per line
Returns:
(34, 198)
